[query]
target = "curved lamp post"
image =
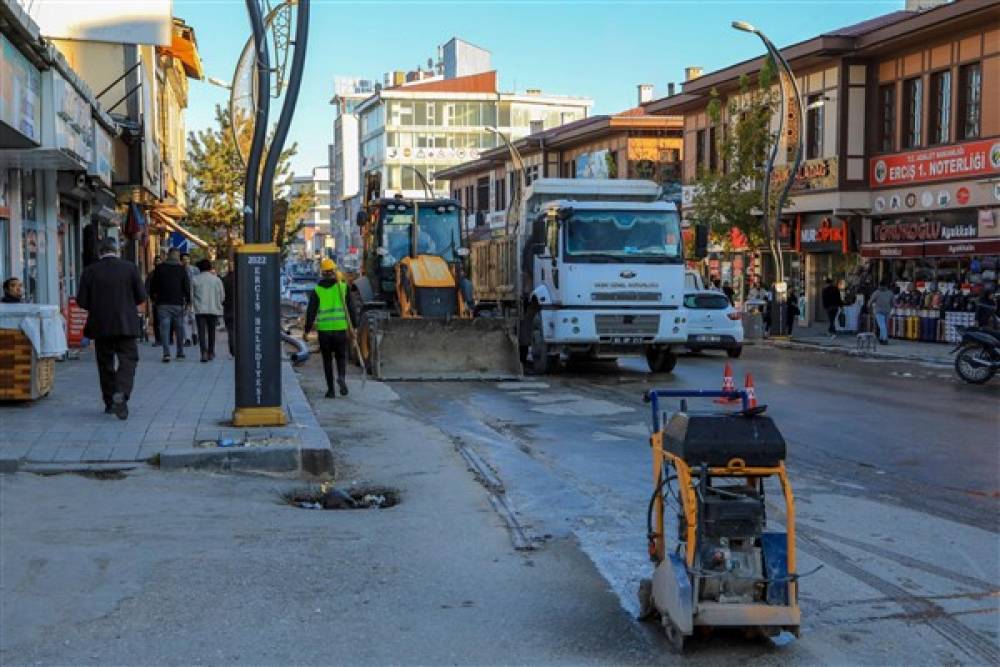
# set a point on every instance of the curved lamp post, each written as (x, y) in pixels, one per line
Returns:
(515, 157)
(786, 78)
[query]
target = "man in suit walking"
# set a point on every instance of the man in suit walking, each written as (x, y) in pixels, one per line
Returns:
(111, 291)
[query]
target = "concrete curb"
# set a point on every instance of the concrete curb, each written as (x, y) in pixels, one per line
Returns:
(8, 465)
(312, 455)
(848, 352)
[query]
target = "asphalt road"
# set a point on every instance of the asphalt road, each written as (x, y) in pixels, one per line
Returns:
(895, 467)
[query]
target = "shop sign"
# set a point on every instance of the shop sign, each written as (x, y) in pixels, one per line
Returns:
(961, 248)
(596, 164)
(820, 174)
(822, 234)
(892, 251)
(654, 149)
(974, 158)
(101, 164)
(74, 123)
(923, 230)
(20, 92)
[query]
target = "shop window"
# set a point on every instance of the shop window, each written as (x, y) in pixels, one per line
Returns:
(699, 150)
(501, 204)
(940, 115)
(913, 104)
(5, 262)
(969, 100)
(814, 127)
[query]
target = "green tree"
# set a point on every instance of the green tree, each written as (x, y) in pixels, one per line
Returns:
(216, 179)
(732, 195)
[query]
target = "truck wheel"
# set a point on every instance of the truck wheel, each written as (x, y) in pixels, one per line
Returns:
(660, 360)
(542, 361)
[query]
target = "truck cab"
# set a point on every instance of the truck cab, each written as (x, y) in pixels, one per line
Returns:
(607, 279)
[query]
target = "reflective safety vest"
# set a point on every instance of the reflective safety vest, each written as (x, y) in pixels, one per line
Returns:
(332, 312)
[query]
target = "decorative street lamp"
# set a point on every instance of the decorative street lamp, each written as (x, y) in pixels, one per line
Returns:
(258, 306)
(788, 84)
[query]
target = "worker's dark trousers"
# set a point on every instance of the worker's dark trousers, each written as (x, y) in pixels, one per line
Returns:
(116, 380)
(333, 344)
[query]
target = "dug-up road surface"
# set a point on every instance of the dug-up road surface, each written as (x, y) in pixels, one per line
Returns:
(895, 468)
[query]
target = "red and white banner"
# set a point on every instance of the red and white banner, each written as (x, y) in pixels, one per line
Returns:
(975, 158)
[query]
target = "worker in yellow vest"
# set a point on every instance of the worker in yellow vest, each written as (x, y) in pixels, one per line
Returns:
(329, 310)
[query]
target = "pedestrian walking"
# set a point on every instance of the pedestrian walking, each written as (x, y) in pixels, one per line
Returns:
(111, 292)
(792, 310)
(832, 304)
(209, 295)
(730, 293)
(13, 291)
(154, 312)
(329, 309)
(171, 290)
(229, 308)
(189, 323)
(881, 308)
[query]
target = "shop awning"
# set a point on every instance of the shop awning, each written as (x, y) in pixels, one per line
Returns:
(174, 226)
(184, 47)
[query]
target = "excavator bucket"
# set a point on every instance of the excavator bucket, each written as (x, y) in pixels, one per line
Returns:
(434, 349)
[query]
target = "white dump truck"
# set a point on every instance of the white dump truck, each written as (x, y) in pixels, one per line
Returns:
(588, 268)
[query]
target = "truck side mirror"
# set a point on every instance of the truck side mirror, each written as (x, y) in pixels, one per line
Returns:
(361, 218)
(700, 241)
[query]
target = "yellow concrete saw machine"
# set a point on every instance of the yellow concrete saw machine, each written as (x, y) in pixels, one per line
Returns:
(716, 562)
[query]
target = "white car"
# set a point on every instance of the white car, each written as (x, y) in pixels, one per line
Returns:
(713, 323)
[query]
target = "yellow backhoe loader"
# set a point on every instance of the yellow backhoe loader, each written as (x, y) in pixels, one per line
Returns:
(413, 300)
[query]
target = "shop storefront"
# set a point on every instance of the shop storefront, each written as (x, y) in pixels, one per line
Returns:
(827, 244)
(940, 263)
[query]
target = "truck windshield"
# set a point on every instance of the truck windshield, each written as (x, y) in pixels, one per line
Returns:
(439, 231)
(614, 236)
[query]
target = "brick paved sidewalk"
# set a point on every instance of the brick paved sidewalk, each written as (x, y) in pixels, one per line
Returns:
(173, 407)
(935, 353)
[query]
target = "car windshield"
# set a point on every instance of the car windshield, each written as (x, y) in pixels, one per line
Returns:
(624, 235)
(439, 231)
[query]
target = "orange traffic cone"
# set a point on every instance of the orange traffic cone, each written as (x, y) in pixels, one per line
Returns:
(751, 394)
(728, 384)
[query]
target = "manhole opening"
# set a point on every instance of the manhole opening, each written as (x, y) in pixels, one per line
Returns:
(321, 498)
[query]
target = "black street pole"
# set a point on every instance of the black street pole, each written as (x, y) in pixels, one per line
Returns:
(258, 264)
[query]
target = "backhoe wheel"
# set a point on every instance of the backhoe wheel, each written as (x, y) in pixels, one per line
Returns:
(542, 361)
(660, 360)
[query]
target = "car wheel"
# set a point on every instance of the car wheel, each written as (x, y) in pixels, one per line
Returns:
(735, 352)
(660, 360)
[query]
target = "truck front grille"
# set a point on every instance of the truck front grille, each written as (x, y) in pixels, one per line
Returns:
(626, 296)
(627, 325)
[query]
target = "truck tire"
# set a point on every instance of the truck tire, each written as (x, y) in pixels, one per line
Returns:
(543, 362)
(660, 360)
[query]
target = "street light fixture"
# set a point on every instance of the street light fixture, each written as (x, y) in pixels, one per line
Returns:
(786, 78)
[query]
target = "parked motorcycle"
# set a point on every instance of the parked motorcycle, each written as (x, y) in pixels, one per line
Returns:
(978, 357)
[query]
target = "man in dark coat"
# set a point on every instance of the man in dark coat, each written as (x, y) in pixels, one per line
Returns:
(111, 291)
(832, 304)
(170, 289)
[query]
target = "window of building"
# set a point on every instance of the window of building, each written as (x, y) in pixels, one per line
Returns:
(814, 127)
(470, 203)
(913, 105)
(969, 100)
(699, 150)
(483, 194)
(504, 116)
(713, 149)
(501, 194)
(940, 114)
(887, 117)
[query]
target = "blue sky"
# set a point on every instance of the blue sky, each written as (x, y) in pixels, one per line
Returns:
(594, 49)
